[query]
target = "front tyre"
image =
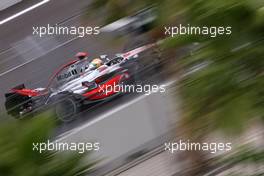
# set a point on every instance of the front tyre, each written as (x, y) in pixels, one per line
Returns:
(66, 110)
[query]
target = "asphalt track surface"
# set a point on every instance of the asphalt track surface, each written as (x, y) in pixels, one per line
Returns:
(35, 59)
(31, 60)
(52, 12)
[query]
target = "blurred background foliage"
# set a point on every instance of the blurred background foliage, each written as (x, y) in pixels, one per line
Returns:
(227, 92)
(17, 157)
(224, 95)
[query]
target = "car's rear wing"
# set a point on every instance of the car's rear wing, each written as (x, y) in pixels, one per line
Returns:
(14, 101)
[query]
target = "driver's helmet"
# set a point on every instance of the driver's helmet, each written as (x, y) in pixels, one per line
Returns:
(96, 63)
(81, 55)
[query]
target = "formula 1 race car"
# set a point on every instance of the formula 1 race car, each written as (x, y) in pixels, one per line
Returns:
(73, 85)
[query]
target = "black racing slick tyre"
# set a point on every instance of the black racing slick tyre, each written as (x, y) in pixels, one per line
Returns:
(66, 110)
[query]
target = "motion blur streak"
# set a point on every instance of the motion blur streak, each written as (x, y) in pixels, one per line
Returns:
(21, 65)
(23, 12)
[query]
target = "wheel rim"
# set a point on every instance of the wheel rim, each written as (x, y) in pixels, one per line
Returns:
(66, 110)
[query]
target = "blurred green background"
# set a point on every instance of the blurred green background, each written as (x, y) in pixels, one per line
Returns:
(227, 94)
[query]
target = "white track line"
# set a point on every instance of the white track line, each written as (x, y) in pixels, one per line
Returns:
(106, 115)
(23, 12)
(21, 65)
(119, 22)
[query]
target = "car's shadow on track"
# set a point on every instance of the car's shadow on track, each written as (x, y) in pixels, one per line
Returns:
(89, 114)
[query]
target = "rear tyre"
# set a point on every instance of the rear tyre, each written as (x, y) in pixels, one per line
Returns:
(66, 110)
